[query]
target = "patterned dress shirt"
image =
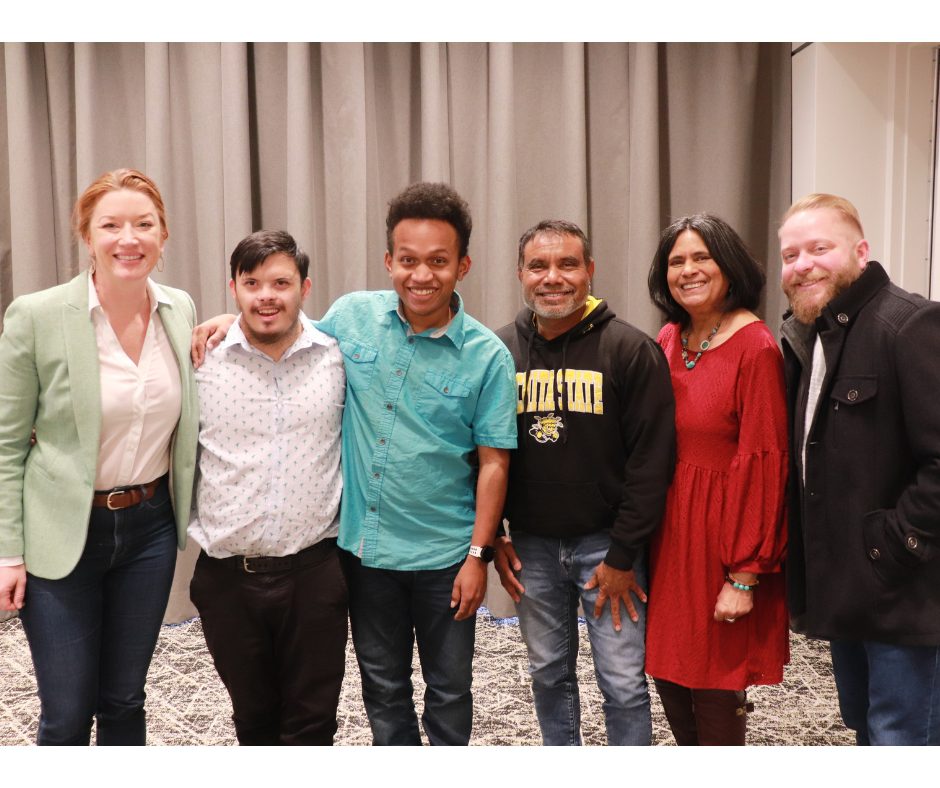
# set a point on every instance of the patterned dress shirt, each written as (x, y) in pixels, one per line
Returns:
(269, 480)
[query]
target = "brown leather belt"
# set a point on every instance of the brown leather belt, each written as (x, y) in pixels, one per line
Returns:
(254, 564)
(123, 497)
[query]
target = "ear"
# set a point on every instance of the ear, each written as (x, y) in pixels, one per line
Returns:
(862, 251)
(388, 262)
(231, 286)
(463, 267)
(590, 267)
(305, 288)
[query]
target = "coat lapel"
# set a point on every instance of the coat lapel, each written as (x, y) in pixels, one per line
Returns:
(81, 352)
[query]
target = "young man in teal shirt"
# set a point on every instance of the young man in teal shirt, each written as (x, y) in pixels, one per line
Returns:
(427, 429)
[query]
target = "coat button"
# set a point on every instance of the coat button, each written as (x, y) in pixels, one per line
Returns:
(842, 318)
(852, 395)
(874, 554)
(912, 543)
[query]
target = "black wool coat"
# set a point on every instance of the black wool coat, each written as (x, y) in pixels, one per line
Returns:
(864, 546)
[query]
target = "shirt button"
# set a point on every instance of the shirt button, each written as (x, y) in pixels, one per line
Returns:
(411, 340)
(371, 508)
(874, 554)
(852, 395)
(446, 389)
(376, 475)
(398, 372)
(842, 318)
(388, 406)
(381, 441)
(912, 543)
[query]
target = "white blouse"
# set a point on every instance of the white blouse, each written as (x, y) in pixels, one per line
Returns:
(140, 403)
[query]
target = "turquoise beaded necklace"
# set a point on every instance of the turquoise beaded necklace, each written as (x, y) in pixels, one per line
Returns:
(706, 343)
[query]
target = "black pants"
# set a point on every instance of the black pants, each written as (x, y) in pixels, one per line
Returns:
(704, 716)
(278, 640)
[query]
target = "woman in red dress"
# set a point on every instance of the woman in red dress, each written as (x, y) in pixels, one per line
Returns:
(717, 621)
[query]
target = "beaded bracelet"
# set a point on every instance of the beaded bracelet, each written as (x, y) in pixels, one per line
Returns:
(741, 586)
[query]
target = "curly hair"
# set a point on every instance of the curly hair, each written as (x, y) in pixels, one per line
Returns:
(430, 201)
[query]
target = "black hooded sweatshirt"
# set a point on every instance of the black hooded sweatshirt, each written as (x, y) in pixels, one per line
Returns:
(597, 452)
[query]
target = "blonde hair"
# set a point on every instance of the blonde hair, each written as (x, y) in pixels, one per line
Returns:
(819, 200)
(113, 181)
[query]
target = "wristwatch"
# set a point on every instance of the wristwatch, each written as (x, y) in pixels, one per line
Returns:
(484, 553)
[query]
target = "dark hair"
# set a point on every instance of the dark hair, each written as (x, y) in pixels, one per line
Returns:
(254, 249)
(430, 201)
(744, 274)
(554, 227)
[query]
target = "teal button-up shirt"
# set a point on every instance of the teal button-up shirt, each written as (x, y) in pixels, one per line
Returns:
(417, 406)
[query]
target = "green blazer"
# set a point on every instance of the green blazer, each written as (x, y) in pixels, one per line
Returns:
(49, 379)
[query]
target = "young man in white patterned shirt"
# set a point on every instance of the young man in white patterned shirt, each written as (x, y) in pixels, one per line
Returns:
(268, 583)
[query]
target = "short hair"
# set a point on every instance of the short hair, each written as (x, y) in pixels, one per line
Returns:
(745, 275)
(430, 201)
(554, 227)
(115, 180)
(819, 200)
(254, 249)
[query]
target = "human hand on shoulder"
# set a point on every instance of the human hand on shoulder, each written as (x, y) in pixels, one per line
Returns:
(208, 335)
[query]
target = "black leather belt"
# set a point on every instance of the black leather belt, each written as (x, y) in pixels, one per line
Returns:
(257, 564)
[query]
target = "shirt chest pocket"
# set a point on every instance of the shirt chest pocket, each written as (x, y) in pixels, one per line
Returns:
(445, 398)
(359, 361)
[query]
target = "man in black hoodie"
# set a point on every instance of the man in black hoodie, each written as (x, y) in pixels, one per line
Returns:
(587, 485)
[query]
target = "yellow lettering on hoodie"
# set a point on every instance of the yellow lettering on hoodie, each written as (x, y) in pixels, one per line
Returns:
(577, 391)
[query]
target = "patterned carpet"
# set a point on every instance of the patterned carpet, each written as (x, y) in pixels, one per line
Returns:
(187, 704)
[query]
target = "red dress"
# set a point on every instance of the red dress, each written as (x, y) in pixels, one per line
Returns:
(724, 512)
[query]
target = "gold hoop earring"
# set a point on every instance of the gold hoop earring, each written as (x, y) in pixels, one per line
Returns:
(161, 264)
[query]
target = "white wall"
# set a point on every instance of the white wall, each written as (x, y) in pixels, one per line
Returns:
(864, 119)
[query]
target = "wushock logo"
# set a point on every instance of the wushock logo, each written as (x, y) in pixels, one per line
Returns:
(547, 429)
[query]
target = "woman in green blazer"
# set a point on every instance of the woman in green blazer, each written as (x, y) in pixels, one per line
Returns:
(92, 514)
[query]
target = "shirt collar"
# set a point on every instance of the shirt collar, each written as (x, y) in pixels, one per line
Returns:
(154, 292)
(309, 336)
(453, 330)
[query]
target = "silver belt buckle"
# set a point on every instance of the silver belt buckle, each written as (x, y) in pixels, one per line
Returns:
(108, 502)
(245, 565)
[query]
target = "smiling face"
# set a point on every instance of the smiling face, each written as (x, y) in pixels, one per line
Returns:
(822, 255)
(125, 238)
(425, 266)
(556, 281)
(695, 281)
(269, 298)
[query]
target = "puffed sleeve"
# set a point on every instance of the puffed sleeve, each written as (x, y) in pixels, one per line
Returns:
(753, 537)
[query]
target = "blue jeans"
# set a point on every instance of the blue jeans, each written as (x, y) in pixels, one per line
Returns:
(388, 609)
(888, 694)
(92, 633)
(553, 574)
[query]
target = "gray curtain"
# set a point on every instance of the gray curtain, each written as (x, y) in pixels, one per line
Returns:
(316, 138)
